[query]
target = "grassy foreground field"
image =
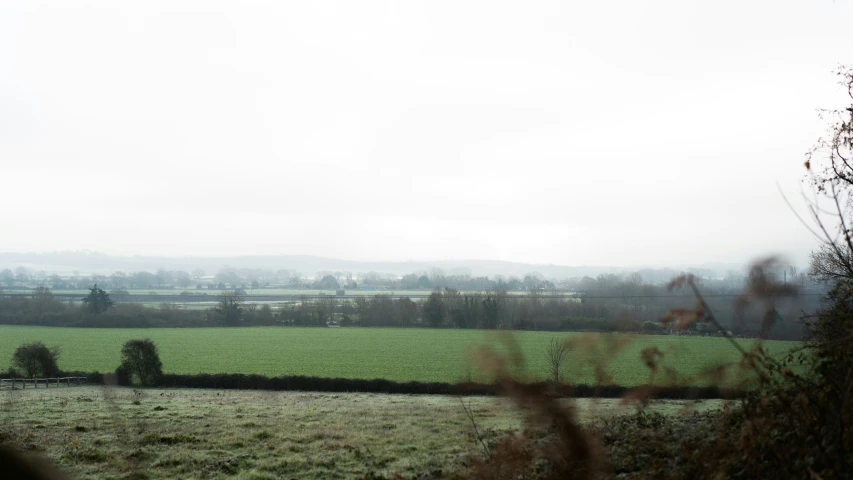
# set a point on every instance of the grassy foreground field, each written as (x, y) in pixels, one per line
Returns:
(94, 432)
(390, 353)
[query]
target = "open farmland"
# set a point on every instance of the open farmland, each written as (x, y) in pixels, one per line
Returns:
(399, 354)
(295, 292)
(93, 432)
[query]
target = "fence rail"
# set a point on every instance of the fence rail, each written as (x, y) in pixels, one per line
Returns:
(21, 383)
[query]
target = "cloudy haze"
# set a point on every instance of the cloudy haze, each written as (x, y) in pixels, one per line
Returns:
(608, 133)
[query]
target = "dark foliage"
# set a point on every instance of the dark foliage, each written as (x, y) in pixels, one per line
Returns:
(20, 310)
(140, 362)
(237, 381)
(655, 445)
(36, 360)
(802, 425)
(230, 308)
(18, 465)
(434, 310)
(98, 301)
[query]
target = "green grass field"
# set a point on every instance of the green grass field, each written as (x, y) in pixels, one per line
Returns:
(399, 354)
(98, 433)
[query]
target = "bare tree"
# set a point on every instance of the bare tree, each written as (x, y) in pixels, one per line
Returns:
(830, 166)
(230, 307)
(8, 277)
(118, 279)
(831, 263)
(43, 300)
(183, 278)
(22, 275)
(557, 352)
(197, 274)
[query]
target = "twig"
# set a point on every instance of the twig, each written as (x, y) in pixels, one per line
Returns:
(710, 315)
(791, 207)
(470, 415)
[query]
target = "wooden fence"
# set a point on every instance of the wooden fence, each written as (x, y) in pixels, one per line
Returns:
(21, 383)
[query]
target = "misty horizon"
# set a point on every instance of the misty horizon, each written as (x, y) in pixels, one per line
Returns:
(699, 263)
(90, 262)
(557, 133)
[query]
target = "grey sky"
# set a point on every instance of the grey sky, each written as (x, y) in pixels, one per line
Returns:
(609, 133)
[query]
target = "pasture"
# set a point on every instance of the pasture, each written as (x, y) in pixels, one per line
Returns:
(92, 432)
(399, 354)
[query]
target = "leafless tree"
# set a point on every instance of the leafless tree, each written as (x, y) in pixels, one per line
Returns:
(557, 352)
(830, 166)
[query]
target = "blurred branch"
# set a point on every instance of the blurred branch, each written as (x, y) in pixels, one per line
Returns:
(470, 414)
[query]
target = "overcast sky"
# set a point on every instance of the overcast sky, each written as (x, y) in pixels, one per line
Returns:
(606, 133)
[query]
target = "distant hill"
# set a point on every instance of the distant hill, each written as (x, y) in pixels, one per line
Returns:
(100, 263)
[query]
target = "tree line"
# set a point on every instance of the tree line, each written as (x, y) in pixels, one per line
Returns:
(233, 278)
(619, 306)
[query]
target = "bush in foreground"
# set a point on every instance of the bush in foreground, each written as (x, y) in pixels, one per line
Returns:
(140, 362)
(794, 423)
(36, 360)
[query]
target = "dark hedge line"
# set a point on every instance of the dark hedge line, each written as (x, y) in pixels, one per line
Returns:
(320, 384)
(236, 381)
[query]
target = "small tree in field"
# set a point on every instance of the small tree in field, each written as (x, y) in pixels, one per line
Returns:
(140, 361)
(556, 353)
(98, 301)
(230, 307)
(36, 360)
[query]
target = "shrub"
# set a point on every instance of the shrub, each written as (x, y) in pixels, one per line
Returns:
(98, 301)
(140, 362)
(651, 327)
(230, 307)
(36, 360)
